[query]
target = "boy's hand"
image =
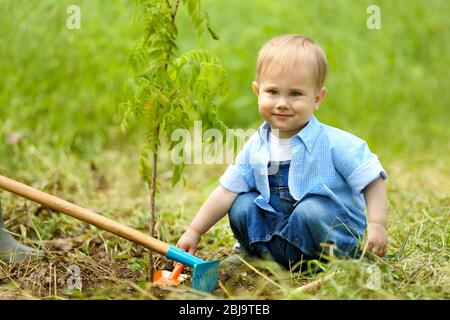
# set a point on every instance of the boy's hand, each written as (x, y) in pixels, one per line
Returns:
(376, 239)
(189, 240)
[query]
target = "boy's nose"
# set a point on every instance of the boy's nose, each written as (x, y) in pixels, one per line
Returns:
(281, 103)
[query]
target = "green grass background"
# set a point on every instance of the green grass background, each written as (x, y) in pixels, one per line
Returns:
(60, 90)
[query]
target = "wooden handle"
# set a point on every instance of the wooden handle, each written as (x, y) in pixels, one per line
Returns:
(82, 214)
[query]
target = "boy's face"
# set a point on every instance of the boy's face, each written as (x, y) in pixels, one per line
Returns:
(287, 100)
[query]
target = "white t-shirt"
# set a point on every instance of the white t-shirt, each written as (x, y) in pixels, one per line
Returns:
(280, 149)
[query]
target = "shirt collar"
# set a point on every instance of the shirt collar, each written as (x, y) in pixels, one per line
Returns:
(308, 134)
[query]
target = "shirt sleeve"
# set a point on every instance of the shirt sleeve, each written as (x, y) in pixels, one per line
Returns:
(238, 177)
(357, 164)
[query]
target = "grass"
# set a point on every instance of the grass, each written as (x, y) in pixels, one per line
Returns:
(416, 266)
(59, 132)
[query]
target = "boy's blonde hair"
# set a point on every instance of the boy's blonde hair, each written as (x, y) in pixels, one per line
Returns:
(291, 51)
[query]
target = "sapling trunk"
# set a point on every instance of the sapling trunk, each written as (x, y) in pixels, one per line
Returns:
(152, 207)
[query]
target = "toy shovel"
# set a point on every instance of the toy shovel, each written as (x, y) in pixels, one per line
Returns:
(164, 278)
(205, 273)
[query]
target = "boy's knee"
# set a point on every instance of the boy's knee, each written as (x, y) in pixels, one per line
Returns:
(311, 211)
(242, 206)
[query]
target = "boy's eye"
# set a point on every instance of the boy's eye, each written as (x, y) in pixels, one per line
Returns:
(296, 93)
(271, 91)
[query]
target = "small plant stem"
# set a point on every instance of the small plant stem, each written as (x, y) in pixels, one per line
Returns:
(175, 12)
(152, 207)
(314, 285)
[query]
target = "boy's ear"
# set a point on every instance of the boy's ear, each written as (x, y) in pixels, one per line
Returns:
(320, 96)
(255, 88)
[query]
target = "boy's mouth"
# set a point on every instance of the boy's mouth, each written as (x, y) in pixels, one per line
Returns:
(282, 115)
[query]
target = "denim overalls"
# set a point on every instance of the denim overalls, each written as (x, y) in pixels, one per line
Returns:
(296, 231)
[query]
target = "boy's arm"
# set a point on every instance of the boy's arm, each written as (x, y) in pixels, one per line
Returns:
(377, 209)
(213, 209)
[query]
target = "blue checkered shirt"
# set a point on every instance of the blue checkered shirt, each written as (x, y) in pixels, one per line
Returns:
(325, 161)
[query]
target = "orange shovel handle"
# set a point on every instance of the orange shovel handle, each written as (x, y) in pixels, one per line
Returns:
(176, 271)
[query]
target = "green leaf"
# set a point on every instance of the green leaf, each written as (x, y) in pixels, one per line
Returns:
(199, 17)
(177, 173)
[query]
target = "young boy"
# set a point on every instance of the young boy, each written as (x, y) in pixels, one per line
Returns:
(297, 184)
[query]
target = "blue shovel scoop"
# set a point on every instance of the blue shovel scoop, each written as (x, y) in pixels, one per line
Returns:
(205, 274)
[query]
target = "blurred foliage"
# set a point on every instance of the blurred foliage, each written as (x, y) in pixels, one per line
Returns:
(59, 88)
